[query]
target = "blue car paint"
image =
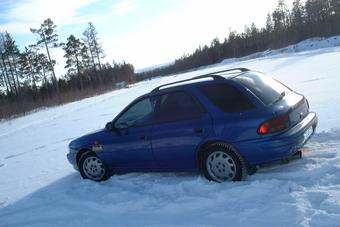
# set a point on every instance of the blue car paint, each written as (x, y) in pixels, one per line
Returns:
(173, 143)
(174, 146)
(276, 147)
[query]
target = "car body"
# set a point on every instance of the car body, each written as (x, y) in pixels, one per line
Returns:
(217, 123)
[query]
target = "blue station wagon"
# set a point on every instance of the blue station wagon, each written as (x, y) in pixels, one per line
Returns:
(222, 124)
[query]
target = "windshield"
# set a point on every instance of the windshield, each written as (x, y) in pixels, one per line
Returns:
(264, 87)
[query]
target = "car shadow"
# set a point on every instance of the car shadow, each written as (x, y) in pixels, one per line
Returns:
(72, 201)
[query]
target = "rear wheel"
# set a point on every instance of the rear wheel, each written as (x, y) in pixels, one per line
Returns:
(221, 163)
(92, 167)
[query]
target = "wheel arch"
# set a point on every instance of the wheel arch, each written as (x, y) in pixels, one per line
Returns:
(80, 153)
(218, 142)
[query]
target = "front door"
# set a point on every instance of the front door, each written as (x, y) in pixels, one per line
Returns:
(128, 145)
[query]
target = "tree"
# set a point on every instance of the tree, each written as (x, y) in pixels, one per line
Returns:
(280, 16)
(77, 58)
(3, 82)
(43, 67)
(335, 12)
(27, 69)
(4, 79)
(216, 50)
(335, 7)
(298, 20)
(9, 57)
(34, 66)
(3, 68)
(297, 14)
(269, 23)
(319, 17)
(93, 45)
(49, 39)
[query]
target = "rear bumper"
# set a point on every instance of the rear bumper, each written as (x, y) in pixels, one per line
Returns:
(280, 146)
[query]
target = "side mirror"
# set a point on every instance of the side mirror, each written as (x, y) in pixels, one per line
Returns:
(109, 126)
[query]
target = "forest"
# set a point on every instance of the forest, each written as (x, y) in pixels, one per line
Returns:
(284, 26)
(28, 80)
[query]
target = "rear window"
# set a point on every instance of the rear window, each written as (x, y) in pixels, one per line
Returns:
(264, 87)
(227, 97)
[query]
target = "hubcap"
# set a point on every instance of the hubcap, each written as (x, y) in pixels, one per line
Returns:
(221, 167)
(93, 168)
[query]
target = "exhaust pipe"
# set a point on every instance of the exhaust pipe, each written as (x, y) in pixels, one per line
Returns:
(295, 156)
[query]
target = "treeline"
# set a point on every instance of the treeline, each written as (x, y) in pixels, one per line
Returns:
(304, 20)
(28, 79)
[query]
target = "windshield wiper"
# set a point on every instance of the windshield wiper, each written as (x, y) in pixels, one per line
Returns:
(283, 94)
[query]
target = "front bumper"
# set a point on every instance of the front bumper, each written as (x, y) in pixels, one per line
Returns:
(72, 158)
(280, 146)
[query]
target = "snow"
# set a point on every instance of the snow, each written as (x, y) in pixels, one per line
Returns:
(38, 187)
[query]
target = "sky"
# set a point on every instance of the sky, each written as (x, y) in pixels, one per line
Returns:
(142, 32)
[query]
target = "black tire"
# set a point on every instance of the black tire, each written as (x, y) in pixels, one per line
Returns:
(91, 167)
(221, 163)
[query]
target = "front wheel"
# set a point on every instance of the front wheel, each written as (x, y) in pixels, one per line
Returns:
(220, 163)
(92, 167)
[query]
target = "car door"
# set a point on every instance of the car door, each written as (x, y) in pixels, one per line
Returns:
(181, 124)
(129, 145)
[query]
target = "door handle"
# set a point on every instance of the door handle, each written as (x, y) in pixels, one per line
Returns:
(198, 130)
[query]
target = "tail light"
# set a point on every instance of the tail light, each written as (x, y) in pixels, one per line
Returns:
(274, 125)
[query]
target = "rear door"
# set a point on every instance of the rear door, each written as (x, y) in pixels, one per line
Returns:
(181, 124)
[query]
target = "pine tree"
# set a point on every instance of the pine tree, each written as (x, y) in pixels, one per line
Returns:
(335, 7)
(43, 67)
(280, 16)
(297, 14)
(3, 67)
(9, 57)
(77, 58)
(92, 42)
(269, 23)
(4, 79)
(26, 67)
(49, 39)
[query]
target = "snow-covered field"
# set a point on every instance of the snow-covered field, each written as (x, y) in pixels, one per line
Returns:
(38, 187)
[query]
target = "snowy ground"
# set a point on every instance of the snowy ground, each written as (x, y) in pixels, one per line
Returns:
(39, 188)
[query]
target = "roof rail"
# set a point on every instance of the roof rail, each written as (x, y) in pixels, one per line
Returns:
(212, 75)
(226, 70)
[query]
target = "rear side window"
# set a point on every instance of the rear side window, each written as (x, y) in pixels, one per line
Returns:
(227, 97)
(264, 87)
(176, 106)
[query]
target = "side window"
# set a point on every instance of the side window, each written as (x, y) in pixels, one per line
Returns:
(141, 113)
(227, 97)
(176, 106)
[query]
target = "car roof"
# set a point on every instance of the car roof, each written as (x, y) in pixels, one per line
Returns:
(219, 76)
